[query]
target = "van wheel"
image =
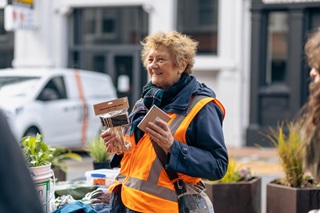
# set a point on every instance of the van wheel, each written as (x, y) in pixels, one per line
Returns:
(32, 131)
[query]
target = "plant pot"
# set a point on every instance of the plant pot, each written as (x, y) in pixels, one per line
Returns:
(283, 199)
(101, 165)
(41, 176)
(41, 173)
(239, 197)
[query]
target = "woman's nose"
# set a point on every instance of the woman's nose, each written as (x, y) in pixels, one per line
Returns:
(313, 73)
(154, 64)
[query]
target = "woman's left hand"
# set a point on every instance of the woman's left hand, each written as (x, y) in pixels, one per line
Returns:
(159, 132)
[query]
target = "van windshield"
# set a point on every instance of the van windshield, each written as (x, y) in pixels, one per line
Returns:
(16, 86)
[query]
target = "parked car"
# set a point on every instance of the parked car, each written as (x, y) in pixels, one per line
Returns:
(57, 103)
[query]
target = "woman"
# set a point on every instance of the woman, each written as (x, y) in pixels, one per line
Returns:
(311, 111)
(196, 150)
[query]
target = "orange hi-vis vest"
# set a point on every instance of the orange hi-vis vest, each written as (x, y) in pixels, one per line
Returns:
(146, 186)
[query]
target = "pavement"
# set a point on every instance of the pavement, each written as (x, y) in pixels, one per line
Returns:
(262, 162)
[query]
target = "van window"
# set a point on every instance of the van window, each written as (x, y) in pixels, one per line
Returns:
(16, 86)
(54, 90)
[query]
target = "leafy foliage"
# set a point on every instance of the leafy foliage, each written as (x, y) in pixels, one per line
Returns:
(36, 152)
(97, 150)
(235, 173)
(289, 151)
(59, 155)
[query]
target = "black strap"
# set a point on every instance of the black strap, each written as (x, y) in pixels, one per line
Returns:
(162, 155)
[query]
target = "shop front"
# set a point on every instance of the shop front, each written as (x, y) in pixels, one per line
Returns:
(279, 71)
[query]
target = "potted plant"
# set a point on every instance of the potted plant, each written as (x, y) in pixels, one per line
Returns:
(36, 152)
(38, 156)
(58, 161)
(97, 151)
(296, 192)
(238, 191)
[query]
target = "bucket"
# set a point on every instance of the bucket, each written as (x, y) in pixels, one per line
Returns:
(41, 177)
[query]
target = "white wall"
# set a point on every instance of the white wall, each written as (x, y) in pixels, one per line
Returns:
(227, 73)
(34, 47)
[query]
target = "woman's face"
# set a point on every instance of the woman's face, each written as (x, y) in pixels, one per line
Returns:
(315, 75)
(162, 71)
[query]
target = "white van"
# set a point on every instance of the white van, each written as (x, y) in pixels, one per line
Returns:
(57, 103)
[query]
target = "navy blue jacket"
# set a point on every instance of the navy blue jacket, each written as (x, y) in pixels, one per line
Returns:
(205, 154)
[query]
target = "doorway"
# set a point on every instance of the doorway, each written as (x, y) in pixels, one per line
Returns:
(107, 40)
(121, 63)
(279, 71)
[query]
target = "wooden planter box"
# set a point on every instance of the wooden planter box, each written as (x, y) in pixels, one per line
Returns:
(240, 197)
(284, 199)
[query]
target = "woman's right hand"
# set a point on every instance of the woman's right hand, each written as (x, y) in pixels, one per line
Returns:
(110, 140)
(114, 141)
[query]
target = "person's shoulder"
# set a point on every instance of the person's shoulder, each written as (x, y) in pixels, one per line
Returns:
(204, 90)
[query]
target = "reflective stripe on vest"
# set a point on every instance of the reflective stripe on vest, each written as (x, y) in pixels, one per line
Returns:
(155, 183)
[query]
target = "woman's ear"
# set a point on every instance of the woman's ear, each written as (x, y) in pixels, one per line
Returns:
(183, 67)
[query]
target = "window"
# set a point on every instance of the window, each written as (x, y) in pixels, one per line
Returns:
(54, 90)
(199, 19)
(16, 86)
(6, 44)
(110, 25)
(277, 49)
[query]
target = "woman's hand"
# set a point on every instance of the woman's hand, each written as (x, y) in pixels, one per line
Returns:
(160, 133)
(110, 141)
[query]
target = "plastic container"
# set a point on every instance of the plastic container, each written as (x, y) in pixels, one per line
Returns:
(101, 177)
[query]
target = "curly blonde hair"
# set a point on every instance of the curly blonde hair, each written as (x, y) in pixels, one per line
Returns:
(181, 47)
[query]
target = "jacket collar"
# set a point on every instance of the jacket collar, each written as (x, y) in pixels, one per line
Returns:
(181, 101)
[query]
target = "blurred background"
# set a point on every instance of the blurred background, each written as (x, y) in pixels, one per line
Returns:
(250, 53)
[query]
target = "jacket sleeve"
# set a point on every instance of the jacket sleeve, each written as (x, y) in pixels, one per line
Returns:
(205, 154)
(18, 192)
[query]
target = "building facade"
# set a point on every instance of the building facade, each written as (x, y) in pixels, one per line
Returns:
(104, 36)
(6, 43)
(279, 71)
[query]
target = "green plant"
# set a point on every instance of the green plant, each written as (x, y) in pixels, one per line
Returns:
(97, 150)
(235, 173)
(59, 155)
(36, 152)
(287, 140)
